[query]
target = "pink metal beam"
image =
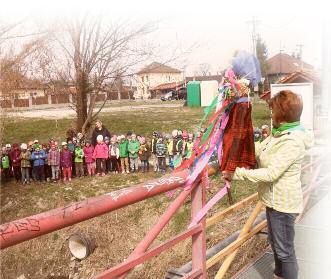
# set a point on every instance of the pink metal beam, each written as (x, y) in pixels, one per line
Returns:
(157, 228)
(123, 267)
(30, 227)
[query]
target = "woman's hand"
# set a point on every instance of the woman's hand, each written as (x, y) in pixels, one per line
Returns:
(227, 176)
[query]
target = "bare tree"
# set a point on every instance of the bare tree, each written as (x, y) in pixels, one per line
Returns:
(91, 54)
(204, 69)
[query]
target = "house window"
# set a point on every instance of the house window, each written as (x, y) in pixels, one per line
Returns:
(146, 78)
(169, 78)
(142, 79)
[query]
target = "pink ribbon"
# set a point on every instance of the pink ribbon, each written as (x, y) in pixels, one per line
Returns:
(203, 211)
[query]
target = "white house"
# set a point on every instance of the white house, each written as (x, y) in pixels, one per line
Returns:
(154, 75)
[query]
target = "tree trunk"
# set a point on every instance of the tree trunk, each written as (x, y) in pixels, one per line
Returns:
(81, 101)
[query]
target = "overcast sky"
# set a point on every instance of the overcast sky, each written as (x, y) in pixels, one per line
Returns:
(210, 30)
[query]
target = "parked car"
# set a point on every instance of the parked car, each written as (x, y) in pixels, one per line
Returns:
(169, 96)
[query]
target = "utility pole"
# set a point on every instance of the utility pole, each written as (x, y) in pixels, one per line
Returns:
(300, 46)
(254, 22)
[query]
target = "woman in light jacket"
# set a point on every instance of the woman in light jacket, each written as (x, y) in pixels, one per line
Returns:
(279, 159)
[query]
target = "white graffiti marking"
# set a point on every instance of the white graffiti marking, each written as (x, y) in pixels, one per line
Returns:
(162, 181)
(116, 195)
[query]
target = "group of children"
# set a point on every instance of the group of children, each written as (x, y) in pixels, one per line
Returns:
(77, 157)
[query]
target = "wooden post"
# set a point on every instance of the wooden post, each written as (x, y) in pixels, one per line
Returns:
(247, 227)
(199, 239)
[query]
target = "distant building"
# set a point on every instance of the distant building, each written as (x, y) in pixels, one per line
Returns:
(154, 75)
(218, 78)
(282, 64)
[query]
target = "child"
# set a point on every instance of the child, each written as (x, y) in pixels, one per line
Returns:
(25, 158)
(47, 166)
(188, 148)
(161, 151)
(144, 154)
(16, 161)
(108, 162)
(54, 162)
(153, 150)
(114, 153)
(89, 161)
(170, 149)
(79, 155)
(66, 162)
(124, 154)
(133, 148)
(38, 156)
(100, 154)
(5, 165)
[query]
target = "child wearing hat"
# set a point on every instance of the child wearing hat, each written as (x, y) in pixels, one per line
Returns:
(100, 154)
(54, 162)
(161, 151)
(89, 160)
(79, 155)
(16, 161)
(133, 148)
(124, 154)
(144, 154)
(66, 162)
(114, 154)
(38, 156)
(25, 158)
(5, 164)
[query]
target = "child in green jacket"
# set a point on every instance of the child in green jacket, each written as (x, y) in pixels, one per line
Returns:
(133, 148)
(124, 154)
(79, 155)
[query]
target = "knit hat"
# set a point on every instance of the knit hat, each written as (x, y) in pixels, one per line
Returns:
(99, 138)
(63, 143)
(24, 146)
(35, 141)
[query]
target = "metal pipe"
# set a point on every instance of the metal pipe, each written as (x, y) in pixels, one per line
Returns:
(33, 226)
(186, 268)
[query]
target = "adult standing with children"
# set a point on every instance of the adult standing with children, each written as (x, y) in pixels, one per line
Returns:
(279, 158)
(99, 130)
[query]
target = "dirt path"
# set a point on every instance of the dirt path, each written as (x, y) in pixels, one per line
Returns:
(66, 112)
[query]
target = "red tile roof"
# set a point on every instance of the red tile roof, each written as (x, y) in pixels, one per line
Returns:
(285, 64)
(156, 67)
(171, 85)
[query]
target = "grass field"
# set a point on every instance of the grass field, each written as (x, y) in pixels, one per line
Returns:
(116, 233)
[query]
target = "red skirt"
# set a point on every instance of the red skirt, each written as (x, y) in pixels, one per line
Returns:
(238, 141)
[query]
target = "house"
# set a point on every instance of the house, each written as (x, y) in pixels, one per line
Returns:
(153, 75)
(218, 78)
(282, 64)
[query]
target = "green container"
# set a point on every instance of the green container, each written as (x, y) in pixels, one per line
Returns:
(193, 94)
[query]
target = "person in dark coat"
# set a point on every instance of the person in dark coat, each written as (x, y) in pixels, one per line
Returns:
(99, 130)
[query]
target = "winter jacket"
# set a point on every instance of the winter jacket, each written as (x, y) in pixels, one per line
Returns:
(133, 148)
(278, 176)
(66, 158)
(53, 157)
(153, 145)
(188, 148)
(96, 132)
(71, 147)
(114, 150)
(100, 151)
(161, 149)
(170, 147)
(5, 161)
(38, 158)
(79, 155)
(123, 146)
(25, 159)
(88, 153)
(15, 157)
(144, 152)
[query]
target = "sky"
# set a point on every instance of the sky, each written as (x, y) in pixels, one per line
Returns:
(197, 32)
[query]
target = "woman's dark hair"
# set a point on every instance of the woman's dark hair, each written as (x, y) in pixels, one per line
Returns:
(286, 106)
